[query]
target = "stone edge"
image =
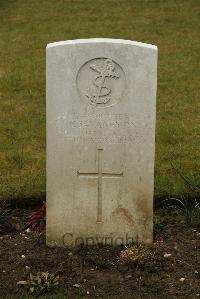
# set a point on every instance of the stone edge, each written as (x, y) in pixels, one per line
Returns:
(101, 40)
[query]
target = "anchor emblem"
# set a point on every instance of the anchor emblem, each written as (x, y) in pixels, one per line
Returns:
(100, 92)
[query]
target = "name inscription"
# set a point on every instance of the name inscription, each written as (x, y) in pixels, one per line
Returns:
(110, 128)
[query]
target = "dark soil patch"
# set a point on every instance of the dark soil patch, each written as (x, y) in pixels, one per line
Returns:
(95, 271)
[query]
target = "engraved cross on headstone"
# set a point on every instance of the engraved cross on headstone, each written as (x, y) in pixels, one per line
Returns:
(99, 175)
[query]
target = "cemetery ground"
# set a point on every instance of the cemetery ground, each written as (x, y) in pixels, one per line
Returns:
(169, 268)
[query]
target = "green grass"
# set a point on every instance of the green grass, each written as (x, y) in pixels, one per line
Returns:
(26, 28)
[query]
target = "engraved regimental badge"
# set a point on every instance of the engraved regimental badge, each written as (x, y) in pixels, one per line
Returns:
(101, 82)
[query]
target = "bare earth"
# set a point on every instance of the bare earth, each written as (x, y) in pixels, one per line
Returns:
(96, 272)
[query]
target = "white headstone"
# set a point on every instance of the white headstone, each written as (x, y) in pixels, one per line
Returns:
(101, 111)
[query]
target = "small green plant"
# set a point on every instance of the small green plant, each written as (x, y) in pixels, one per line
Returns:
(41, 283)
(190, 208)
(157, 225)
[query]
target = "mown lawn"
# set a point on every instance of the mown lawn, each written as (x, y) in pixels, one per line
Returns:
(25, 29)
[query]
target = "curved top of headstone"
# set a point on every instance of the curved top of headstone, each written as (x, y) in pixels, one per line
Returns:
(101, 40)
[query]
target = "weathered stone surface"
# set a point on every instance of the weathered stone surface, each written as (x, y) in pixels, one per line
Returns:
(101, 110)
